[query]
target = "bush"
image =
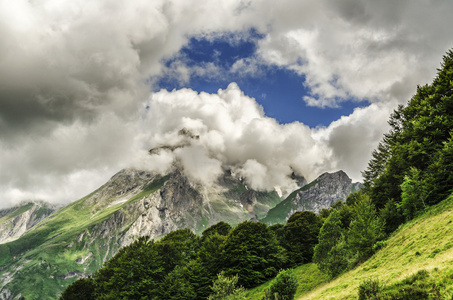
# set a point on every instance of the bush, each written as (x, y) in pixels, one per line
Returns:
(82, 288)
(369, 289)
(283, 287)
(225, 288)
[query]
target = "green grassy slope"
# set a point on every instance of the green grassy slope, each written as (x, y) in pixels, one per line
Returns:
(43, 259)
(11, 214)
(423, 244)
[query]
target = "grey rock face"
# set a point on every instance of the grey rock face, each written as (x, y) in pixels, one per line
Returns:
(327, 189)
(14, 222)
(321, 193)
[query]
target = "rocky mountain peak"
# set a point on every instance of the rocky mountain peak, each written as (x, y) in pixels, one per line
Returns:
(321, 193)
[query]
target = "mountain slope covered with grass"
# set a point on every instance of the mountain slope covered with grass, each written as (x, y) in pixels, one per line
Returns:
(78, 239)
(417, 258)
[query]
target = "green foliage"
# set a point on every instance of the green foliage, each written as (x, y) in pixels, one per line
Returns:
(413, 194)
(225, 288)
(220, 228)
(300, 235)
(419, 139)
(369, 289)
(176, 285)
(365, 230)
(277, 229)
(417, 286)
(252, 252)
(177, 248)
(391, 216)
(284, 286)
(330, 252)
(134, 272)
(82, 288)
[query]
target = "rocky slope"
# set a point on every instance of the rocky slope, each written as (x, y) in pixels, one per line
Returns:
(321, 193)
(14, 222)
(77, 239)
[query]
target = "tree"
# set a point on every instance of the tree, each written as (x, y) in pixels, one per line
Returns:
(176, 285)
(177, 248)
(225, 288)
(82, 288)
(417, 139)
(252, 252)
(284, 286)
(134, 272)
(413, 194)
(330, 253)
(300, 235)
(220, 228)
(365, 230)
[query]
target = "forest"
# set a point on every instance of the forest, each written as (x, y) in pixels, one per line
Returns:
(410, 171)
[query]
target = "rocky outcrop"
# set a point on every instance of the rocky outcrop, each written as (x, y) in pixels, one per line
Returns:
(14, 222)
(325, 191)
(320, 193)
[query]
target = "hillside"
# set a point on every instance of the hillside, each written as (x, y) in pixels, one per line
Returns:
(77, 239)
(423, 244)
(15, 221)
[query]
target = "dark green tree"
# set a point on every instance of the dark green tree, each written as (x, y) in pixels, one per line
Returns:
(418, 138)
(252, 252)
(82, 288)
(178, 247)
(176, 285)
(220, 228)
(330, 253)
(300, 235)
(284, 286)
(134, 272)
(413, 194)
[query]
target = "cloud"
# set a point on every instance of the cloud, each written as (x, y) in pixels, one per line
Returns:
(359, 50)
(75, 78)
(211, 133)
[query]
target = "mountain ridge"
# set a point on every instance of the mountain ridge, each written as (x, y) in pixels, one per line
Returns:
(77, 239)
(319, 194)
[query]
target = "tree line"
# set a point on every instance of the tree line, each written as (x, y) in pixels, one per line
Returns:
(410, 170)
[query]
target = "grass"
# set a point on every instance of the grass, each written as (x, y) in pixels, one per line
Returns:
(41, 258)
(422, 244)
(16, 212)
(309, 277)
(418, 258)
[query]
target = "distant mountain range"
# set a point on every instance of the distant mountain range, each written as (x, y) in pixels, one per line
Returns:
(43, 250)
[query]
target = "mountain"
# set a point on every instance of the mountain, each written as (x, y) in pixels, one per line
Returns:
(414, 263)
(77, 239)
(318, 194)
(14, 222)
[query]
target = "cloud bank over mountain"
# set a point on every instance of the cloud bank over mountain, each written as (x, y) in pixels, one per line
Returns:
(76, 79)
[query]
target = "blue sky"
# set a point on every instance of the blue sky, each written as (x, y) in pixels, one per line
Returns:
(278, 90)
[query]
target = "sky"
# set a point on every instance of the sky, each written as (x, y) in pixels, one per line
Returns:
(258, 87)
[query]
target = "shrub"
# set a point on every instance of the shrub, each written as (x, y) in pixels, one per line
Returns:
(283, 287)
(225, 288)
(369, 289)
